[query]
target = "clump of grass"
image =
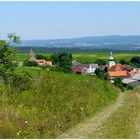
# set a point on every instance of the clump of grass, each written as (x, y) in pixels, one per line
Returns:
(54, 103)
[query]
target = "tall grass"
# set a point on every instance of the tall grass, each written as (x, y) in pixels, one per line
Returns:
(54, 103)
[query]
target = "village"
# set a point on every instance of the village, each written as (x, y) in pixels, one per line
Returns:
(128, 74)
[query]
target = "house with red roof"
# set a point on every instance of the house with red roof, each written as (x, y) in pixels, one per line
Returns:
(115, 70)
(41, 62)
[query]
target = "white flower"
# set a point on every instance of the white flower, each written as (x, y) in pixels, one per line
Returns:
(81, 108)
(18, 133)
(26, 122)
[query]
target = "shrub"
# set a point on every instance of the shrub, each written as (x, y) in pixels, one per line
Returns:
(21, 81)
(30, 63)
(101, 62)
(101, 74)
(40, 56)
(118, 83)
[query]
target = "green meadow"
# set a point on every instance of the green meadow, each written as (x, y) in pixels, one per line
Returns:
(89, 57)
(53, 103)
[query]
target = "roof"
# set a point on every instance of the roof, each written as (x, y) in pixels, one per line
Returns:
(136, 76)
(117, 67)
(94, 65)
(117, 74)
(128, 80)
(75, 63)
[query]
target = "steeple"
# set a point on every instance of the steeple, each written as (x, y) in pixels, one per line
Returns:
(111, 61)
(111, 57)
(31, 55)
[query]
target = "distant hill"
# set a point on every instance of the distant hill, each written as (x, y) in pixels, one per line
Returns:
(113, 42)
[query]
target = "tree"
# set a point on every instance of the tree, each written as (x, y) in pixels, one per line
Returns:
(101, 74)
(63, 60)
(54, 58)
(118, 83)
(40, 56)
(13, 38)
(122, 61)
(30, 63)
(100, 62)
(135, 61)
(7, 64)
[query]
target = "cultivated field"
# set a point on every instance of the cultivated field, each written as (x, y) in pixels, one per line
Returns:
(89, 57)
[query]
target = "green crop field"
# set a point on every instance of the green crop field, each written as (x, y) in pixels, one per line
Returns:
(90, 57)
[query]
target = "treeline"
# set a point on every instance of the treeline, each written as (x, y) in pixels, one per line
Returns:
(62, 62)
(25, 49)
(134, 61)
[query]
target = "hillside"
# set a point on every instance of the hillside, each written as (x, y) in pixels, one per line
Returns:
(112, 42)
(53, 103)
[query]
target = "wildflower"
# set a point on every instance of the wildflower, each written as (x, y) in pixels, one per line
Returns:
(71, 108)
(81, 109)
(18, 133)
(26, 122)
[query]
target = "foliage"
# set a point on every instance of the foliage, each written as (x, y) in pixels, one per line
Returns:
(122, 61)
(135, 61)
(13, 38)
(30, 63)
(64, 60)
(7, 64)
(40, 56)
(101, 62)
(101, 74)
(118, 83)
(21, 81)
(54, 103)
(129, 87)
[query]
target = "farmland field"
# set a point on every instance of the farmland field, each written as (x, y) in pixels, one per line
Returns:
(89, 57)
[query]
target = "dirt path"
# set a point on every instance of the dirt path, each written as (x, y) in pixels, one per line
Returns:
(82, 130)
(137, 122)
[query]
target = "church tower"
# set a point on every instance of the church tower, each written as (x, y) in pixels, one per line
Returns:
(111, 61)
(31, 55)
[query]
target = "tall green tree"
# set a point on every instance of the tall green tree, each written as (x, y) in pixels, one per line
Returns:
(7, 55)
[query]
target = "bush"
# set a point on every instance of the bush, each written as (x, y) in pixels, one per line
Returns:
(129, 87)
(101, 74)
(21, 81)
(30, 63)
(101, 62)
(135, 61)
(118, 83)
(39, 56)
(122, 61)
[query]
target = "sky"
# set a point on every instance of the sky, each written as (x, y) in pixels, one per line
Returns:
(55, 20)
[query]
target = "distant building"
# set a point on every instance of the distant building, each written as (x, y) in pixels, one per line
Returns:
(84, 68)
(32, 55)
(111, 61)
(116, 70)
(39, 61)
(133, 80)
(75, 63)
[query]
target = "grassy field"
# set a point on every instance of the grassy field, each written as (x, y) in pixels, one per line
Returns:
(90, 57)
(53, 103)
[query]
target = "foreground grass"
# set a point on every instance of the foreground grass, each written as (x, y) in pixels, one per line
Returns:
(54, 103)
(121, 123)
(89, 57)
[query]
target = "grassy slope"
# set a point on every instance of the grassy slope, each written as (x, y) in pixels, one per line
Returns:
(55, 102)
(90, 57)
